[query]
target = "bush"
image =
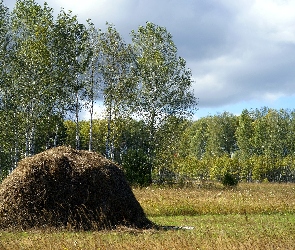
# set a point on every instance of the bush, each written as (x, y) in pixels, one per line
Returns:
(136, 168)
(228, 180)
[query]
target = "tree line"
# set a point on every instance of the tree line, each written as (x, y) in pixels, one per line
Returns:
(54, 68)
(257, 145)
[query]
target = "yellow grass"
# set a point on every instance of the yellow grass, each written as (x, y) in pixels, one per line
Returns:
(246, 198)
(253, 216)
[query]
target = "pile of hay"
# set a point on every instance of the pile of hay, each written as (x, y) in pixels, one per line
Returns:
(67, 188)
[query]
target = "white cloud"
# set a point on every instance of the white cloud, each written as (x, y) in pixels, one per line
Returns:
(272, 96)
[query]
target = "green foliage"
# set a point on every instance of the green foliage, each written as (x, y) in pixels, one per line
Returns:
(192, 168)
(117, 84)
(164, 84)
(228, 180)
(136, 167)
(255, 146)
(221, 135)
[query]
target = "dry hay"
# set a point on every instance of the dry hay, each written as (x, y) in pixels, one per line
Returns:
(67, 188)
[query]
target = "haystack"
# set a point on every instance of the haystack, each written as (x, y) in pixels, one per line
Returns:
(67, 188)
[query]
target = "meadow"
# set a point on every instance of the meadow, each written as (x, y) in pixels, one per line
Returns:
(251, 216)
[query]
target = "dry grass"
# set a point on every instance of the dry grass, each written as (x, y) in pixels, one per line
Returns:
(245, 199)
(254, 216)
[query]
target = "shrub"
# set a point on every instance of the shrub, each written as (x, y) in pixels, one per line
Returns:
(136, 168)
(229, 180)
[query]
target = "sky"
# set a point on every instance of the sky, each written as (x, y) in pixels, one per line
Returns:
(241, 53)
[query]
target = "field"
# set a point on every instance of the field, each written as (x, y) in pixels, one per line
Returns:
(251, 216)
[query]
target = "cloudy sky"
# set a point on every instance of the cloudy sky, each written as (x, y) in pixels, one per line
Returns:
(241, 53)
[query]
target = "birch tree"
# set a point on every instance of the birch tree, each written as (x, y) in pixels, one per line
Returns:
(93, 75)
(71, 62)
(6, 135)
(31, 69)
(164, 81)
(118, 87)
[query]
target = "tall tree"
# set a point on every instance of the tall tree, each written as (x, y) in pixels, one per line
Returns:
(4, 50)
(244, 135)
(93, 75)
(198, 137)
(6, 136)
(164, 82)
(4, 40)
(31, 67)
(221, 135)
(71, 60)
(118, 88)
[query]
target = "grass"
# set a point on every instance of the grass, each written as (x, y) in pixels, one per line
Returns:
(245, 199)
(252, 216)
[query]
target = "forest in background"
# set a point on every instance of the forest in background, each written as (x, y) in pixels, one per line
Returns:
(257, 145)
(52, 69)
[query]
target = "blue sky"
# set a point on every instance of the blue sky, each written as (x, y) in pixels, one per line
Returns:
(241, 52)
(286, 102)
